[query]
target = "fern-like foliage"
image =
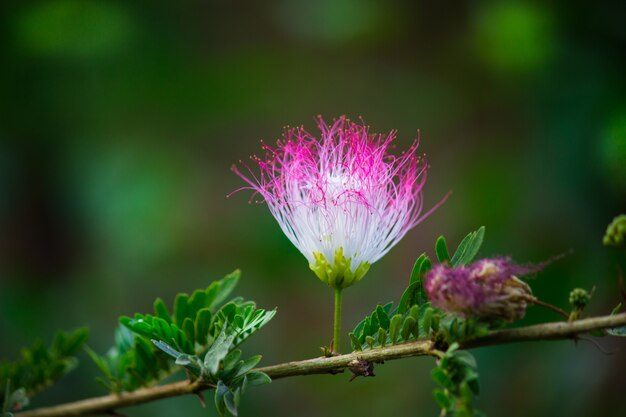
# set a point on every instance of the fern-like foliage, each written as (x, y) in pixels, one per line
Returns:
(412, 319)
(131, 363)
(38, 367)
(200, 334)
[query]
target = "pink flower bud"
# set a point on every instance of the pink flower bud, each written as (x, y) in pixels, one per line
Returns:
(488, 289)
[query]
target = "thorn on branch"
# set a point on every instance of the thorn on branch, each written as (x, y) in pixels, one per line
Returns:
(362, 368)
(201, 398)
(597, 345)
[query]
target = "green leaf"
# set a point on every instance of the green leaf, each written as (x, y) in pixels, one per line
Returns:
(382, 337)
(407, 328)
(452, 348)
(220, 392)
(231, 359)
(140, 327)
(356, 343)
(442, 399)
(167, 348)
(197, 301)
(99, 361)
(418, 269)
(189, 330)
(248, 364)
(427, 320)
(160, 310)
(254, 320)
(394, 328)
(258, 378)
(415, 294)
(229, 401)
(217, 352)
(616, 309)
(465, 358)
(383, 319)
(181, 308)
(441, 250)
(144, 356)
(471, 377)
(410, 297)
(225, 286)
(203, 324)
(466, 392)
(440, 377)
(191, 362)
(468, 248)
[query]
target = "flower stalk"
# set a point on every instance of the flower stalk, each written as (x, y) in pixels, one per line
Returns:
(336, 346)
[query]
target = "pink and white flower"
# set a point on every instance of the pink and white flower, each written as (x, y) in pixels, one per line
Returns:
(343, 200)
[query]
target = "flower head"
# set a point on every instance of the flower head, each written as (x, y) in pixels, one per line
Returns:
(616, 232)
(488, 288)
(343, 200)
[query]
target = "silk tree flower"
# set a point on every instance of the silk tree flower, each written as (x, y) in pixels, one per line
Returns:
(489, 289)
(342, 199)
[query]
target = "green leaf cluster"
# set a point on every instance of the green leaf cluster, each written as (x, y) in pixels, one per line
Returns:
(201, 334)
(468, 248)
(457, 377)
(191, 326)
(412, 319)
(223, 368)
(38, 367)
(131, 363)
(456, 330)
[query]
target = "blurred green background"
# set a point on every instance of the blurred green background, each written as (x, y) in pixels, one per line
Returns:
(120, 121)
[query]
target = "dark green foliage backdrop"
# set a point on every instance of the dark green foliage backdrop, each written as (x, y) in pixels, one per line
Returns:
(120, 120)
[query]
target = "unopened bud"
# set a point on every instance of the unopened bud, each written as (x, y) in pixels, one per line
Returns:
(488, 289)
(616, 232)
(579, 298)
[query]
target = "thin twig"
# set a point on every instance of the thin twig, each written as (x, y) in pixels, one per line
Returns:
(548, 306)
(322, 365)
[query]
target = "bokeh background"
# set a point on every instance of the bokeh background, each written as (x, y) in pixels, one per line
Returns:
(120, 121)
